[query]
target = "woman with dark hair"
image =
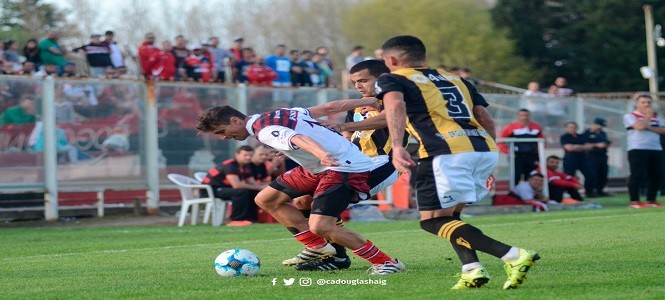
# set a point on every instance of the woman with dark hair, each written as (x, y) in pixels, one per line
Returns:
(31, 52)
(11, 51)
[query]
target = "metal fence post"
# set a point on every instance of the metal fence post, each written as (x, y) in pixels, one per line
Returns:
(50, 153)
(152, 150)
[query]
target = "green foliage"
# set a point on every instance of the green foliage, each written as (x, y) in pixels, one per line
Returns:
(586, 254)
(455, 32)
(25, 19)
(598, 46)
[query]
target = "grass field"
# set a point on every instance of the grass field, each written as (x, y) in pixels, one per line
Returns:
(613, 253)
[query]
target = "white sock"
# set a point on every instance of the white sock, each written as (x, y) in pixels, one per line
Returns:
(471, 266)
(512, 254)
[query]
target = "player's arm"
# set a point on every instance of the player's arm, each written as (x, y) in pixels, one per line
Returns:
(258, 185)
(307, 144)
(236, 183)
(376, 122)
(395, 109)
(485, 119)
(338, 106)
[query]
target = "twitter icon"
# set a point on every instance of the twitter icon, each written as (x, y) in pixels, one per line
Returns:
(289, 281)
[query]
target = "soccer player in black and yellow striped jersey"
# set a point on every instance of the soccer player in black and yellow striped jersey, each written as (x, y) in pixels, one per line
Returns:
(457, 155)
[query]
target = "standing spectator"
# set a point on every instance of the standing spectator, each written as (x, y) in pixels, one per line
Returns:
(562, 90)
(260, 74)
(311, 70)
(325, 72)
(526, 154)
(31, 53)
(596, 157)
(281, 64)
(205, 48)
(558, 182)
(180, 52)
(644, 150)
(11, 51)
(533, 90)
(199, 66)
(241, 67)
(98, 55)
(222, 57)
(237, 48)
(355, 57)
(233, 179)
(575, 147)
(166, 66)
(148, 56)
(296, 70)
(327, 66)
(50, 52)
(117, 58)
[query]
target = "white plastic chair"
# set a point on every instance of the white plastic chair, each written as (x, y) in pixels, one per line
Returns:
(200, 175)
(186, 185)
(222, 204)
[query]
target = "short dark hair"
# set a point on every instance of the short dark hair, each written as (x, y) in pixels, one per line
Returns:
(523, 110)
(358, 48)
(215, 116)
(108, 32)
(553, 157)
(412, 47)
(374, 66)
(245, 148)
(535, 174)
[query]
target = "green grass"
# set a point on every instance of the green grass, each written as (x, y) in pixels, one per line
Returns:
(613, 253)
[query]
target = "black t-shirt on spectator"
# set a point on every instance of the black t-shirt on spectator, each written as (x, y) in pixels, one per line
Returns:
(574, 140)
(216, 176)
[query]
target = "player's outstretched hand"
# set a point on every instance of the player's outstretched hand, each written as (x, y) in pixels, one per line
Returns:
(329, 161)
(402, 160)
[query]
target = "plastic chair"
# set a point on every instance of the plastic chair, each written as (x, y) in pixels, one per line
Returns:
(186, 185)
(224, 203)
(200, 175)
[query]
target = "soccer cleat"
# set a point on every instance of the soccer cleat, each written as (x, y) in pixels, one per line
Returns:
(637, 204)
(386, 268)
(654, 204)
(310, 254)
(517, 269)
(326, 264)
(472, 279)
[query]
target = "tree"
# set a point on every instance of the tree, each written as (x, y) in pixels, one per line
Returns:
(598, 46)
(455, 32)
(31, 18)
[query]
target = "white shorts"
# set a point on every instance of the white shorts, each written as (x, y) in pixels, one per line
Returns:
(446, 180)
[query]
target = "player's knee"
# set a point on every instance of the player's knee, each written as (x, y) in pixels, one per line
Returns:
(267, 199)
(322, 229)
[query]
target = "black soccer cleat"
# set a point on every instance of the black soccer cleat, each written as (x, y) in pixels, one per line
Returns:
(326, 264)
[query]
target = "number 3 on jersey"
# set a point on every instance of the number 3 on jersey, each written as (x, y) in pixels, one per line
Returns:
(457, 109)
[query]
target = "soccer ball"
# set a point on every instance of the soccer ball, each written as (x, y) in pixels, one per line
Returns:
(237, 262)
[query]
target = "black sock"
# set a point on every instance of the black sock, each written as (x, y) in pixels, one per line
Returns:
(465, 236)
(457, 215)
(306, 213)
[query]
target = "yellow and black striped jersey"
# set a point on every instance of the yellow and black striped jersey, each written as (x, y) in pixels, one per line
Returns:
(439, 109)
(371, 142)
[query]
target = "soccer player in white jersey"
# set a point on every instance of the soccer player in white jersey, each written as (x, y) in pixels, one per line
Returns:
(332, 170)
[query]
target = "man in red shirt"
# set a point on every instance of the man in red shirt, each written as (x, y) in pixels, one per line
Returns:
(260, 74)
(526, 154)
(165, 67)
(559, 182)
(198, 66)
(148, 55)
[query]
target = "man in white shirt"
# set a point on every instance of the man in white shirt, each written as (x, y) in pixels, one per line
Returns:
(332, 169)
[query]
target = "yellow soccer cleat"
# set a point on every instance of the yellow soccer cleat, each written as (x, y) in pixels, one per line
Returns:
(472, 279)
(517, 269)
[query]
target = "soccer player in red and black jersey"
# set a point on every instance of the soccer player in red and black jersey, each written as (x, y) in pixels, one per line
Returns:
(233, 179)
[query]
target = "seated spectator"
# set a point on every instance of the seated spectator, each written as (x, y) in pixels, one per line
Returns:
(529, 192)
(7, 68)
(66, 151)
(31, 52)
(260, 164)
(22, 113)
(260, 74)
(27, 68)
(233, 180)
(69, 70)
(559, 182)
(47, 70)
(118, 142)
(11, 51)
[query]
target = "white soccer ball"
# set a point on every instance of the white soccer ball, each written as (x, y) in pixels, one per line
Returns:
(237, 262)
